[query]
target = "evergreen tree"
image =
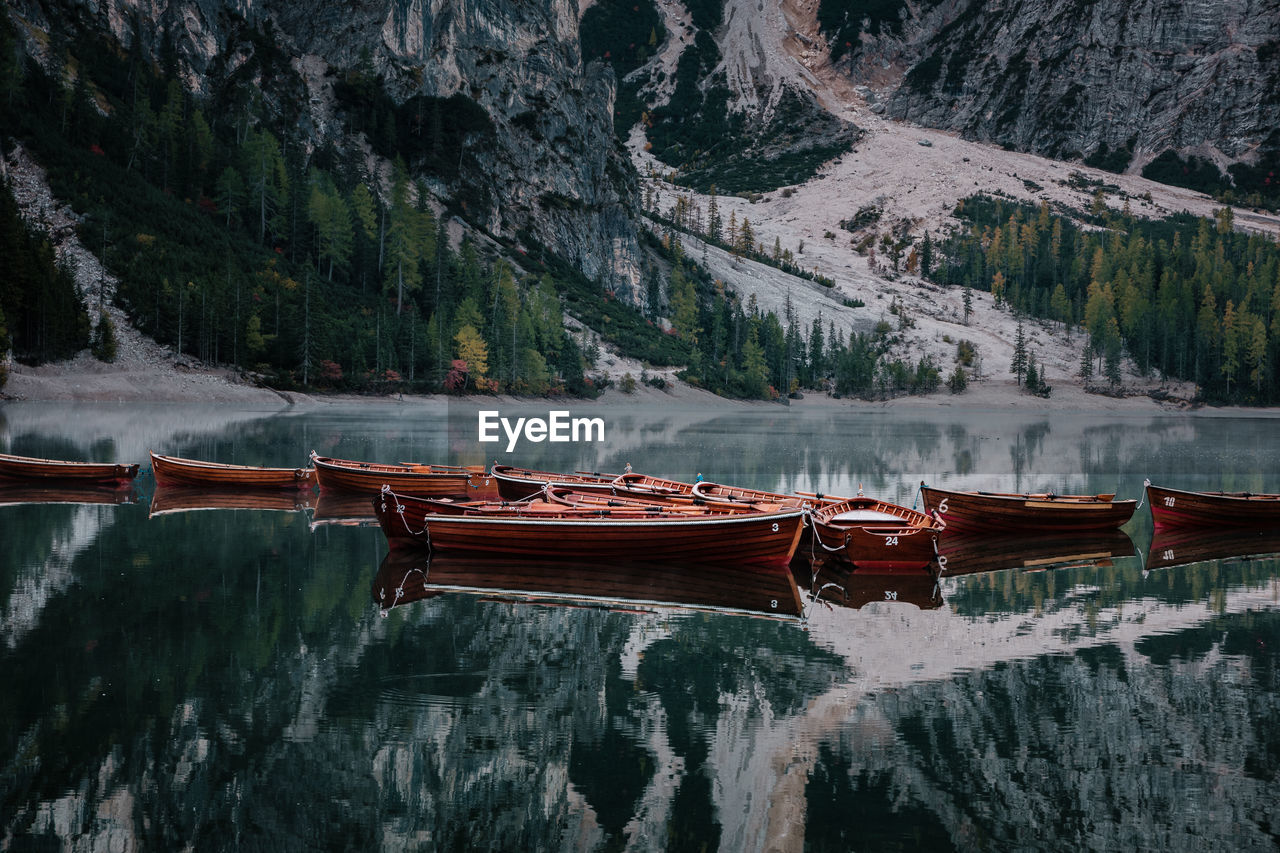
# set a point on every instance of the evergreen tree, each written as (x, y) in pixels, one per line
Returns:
(104, 344)
(1113, 353)
(1018, 367)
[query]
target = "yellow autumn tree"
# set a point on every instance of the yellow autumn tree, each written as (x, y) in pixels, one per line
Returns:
(471, 348)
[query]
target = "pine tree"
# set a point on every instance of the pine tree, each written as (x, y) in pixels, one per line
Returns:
(1018, 367)
(968, 304)
(104, 339)
(1230, 344)
(714, 224)
(1113, 352)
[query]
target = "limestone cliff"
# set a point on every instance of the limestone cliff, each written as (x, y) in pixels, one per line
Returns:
(1081, 78)
(551, 169)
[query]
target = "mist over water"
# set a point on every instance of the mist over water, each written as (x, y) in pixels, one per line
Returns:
(229, 678)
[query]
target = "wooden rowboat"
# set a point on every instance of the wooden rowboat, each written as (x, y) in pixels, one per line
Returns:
(32, 470)
(720, 492)
(168, 500)
(1177, 508)
(430, 481)
(875, 535)
(176, 471)
(995, 511)
(516, 484)
(409, 576)
(640, 485)
(544, 530)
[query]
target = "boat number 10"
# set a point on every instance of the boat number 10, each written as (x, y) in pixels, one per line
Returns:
(1168, 501)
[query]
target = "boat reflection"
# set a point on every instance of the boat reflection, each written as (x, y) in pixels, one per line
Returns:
(833, 583)
(1180, 546)
(16, 494)
(343, 509)
(406, 577)
(971, 553)
(174, 499)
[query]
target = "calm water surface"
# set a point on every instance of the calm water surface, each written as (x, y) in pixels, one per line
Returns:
(176, 675)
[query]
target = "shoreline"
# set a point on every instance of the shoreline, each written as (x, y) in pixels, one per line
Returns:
(86, 380)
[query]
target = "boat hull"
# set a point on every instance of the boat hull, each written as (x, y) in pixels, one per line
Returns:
(877, 549)
(970, 511)
(176, 471)
(32, 470)
(1177, 508)
(874, 535)
(748, 538)
(425, 481)
(517, 484)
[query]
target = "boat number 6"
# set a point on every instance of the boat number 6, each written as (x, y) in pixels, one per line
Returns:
(890, 540)
(775, 527)
(1168, 501)
(942, 506)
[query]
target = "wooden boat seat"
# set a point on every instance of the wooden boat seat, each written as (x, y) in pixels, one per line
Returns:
(863, 516)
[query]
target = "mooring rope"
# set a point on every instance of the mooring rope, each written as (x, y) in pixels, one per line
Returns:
(1145, 484)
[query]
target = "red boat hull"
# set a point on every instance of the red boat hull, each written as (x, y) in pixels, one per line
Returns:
(1177, 508)
(31, 470)
(720, 539)
(175, 471)
(517, 484)
(969, 511)
(875, 536)
(427, 481)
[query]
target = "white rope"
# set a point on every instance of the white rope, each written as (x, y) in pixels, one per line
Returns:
(1145, 485)
(386, 490)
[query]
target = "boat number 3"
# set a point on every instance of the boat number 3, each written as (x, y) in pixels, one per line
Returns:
(775, 527)
(890, 540)
(774, 604)
(942, 506)
(1168, 501)
(890, 595)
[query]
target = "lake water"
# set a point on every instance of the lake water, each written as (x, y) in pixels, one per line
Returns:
(175, 677)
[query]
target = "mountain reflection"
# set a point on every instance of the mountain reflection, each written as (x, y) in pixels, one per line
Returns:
(237, 679)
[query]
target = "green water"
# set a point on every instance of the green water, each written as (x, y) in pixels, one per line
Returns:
(225, 679)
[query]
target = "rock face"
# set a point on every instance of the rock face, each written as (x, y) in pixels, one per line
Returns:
(1085, 77)
(552, 169)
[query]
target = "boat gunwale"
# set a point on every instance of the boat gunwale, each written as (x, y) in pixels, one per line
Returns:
(184, 462)
(400, 469)
(1245, 497)
(1048, 498)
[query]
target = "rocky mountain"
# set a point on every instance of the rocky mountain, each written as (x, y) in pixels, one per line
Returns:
(538, 158)
(1120, 83)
